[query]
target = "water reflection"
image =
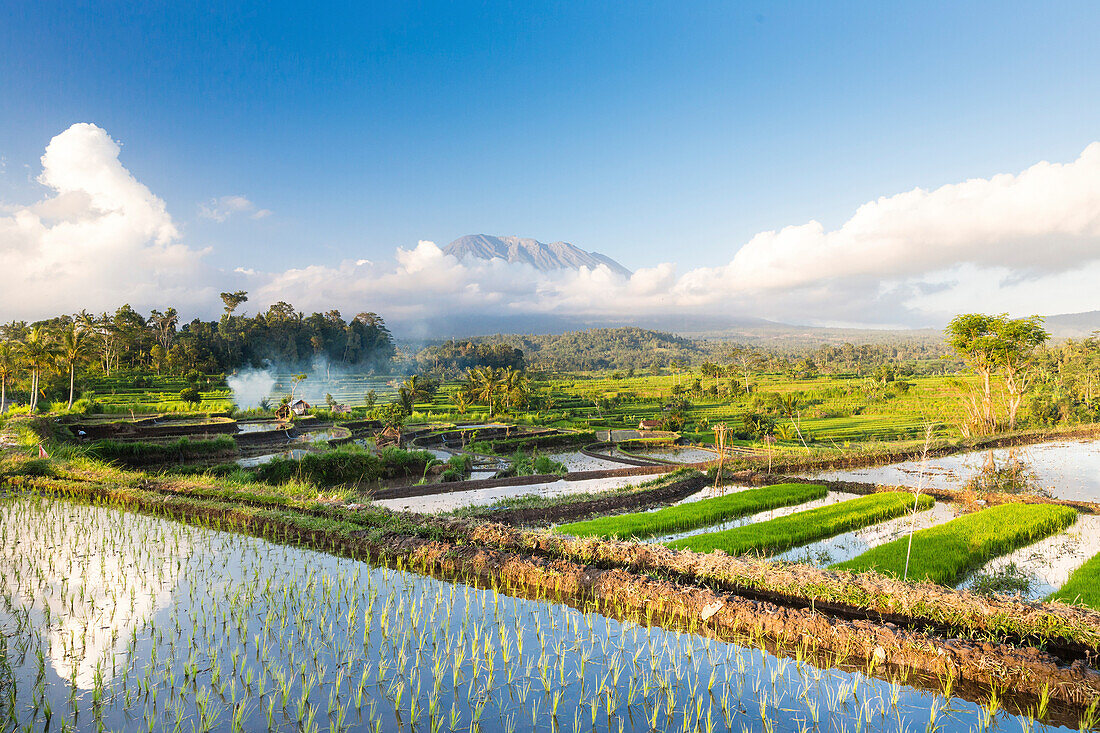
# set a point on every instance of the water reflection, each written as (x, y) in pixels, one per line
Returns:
(1062, 469)
(244, 634)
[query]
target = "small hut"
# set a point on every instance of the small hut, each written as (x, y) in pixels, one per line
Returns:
(650, 425)
(283, 414)
(391, 436)
(339, 409)
(300, 407)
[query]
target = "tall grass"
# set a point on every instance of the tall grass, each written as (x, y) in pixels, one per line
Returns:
(945, 553)
(695, 514)
(141, 453)
(1083, 586)
(346, 464)
(798, 529)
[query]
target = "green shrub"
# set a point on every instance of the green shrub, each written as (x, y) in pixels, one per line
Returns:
(139, 453)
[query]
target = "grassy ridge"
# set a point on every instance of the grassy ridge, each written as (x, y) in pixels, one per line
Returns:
(344, 465)
(140, 453)
(945, 553)
(1083, 586)
(695, 514)
(802, 527)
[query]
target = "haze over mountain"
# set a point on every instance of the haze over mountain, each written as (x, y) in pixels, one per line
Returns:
(544, 257)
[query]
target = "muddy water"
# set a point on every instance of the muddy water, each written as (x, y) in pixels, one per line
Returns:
(678, 455)
(1064, 469)
(1047, 564)
(257, 427)
(253, 461)
(481, 497)
(154, 625)
(833, 497)
(577, 461)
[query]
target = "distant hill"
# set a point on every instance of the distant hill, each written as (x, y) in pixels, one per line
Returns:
(1073, 325)
(544, 257)
(606, 348)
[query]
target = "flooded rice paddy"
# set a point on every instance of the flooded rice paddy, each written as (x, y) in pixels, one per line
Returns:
(832, 497)
(1047, 564)
(1064, 469)
(686, 454)
(577, 461)
(118, 621)
(450, 501)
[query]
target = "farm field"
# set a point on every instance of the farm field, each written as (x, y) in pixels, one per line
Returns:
(801, 527)
(700, 513)
(404, 648)
(944, 553)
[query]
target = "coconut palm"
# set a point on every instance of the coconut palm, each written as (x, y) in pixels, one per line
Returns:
(40, 354)
(7, 371)
(485, 383)
(516, 387)
(74, 349)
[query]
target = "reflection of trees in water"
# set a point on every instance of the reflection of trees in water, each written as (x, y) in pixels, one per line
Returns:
(1012, 475)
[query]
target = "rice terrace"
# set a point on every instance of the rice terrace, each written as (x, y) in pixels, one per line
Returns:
(802, 435)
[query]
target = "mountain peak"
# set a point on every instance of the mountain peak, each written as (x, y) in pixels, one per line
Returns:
(544, 257)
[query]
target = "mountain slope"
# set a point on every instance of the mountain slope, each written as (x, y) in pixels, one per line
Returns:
(544, 257)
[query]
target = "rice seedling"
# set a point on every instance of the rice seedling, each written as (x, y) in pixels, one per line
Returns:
(1083, 586)
(806, 526)
(700, 513)
(945, 553)
(168, 626)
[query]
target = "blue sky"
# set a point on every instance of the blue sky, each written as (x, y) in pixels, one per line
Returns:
(647, 131)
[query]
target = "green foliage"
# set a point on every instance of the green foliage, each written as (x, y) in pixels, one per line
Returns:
(796, 529)
(1083, 586)
(694, 514)
(345, 465)
(142, 453)
(535, 464)
(945, 553)
(191, 395)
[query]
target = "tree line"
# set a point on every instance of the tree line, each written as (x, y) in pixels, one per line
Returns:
(48, 356)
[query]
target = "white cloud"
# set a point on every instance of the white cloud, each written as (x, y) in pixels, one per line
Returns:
(101, 239)
(222, 208)
(1022, 243)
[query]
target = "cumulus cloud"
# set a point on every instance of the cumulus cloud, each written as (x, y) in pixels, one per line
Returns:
(222, 208)
(1025, 242)
(100, 239)
(1028, 242)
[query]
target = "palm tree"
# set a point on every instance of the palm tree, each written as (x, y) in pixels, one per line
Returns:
(39, 354)
(516, 387)
(485, 384)
(461, 399)
(75, 346)
(417, 389)
(7, 371)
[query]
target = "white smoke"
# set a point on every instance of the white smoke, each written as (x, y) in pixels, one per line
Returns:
(251, 386)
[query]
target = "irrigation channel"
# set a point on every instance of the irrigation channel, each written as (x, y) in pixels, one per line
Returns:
(123, 621)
